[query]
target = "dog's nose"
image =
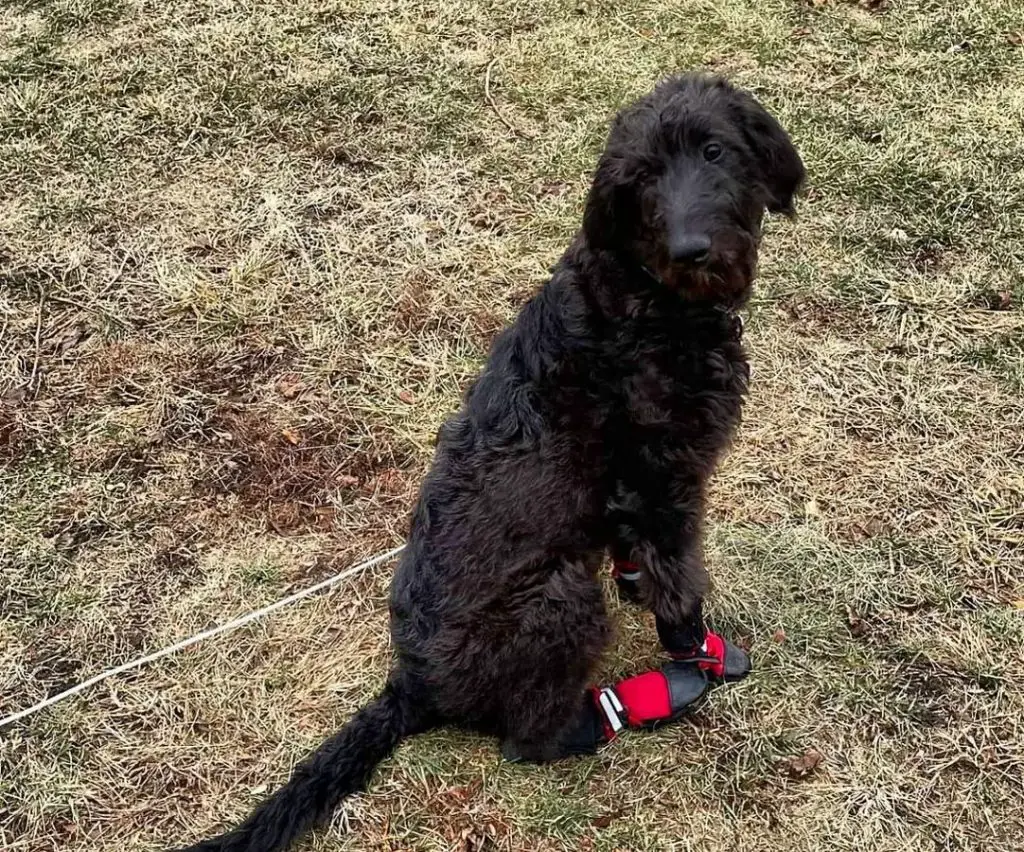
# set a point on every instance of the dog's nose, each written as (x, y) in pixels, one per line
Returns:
(691, 249)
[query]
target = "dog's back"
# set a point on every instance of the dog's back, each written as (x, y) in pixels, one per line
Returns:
(519, 480)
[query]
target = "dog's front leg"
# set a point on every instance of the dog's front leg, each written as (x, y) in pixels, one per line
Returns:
(659, 563)
(657, 548)
(670, 556)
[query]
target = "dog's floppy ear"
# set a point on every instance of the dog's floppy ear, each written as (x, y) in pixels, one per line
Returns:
(780, 168)
(609, 194)
(612, 204)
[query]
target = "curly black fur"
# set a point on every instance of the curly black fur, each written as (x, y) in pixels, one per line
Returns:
(595, 424)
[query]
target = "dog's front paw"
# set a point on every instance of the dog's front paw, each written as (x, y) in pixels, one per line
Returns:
(718, 657)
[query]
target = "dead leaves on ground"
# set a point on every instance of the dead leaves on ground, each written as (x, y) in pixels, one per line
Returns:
(858, 626)
(290, 385)
(802, 766)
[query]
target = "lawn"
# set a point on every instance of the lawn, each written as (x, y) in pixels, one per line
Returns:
(251, 252)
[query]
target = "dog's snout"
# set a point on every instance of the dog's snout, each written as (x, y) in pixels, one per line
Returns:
(690, 249)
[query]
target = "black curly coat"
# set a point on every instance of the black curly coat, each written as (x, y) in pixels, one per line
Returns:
(595, 424)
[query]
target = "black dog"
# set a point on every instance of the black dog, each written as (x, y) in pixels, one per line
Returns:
(595, 425)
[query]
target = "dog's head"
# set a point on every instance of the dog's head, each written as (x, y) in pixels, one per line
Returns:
(684, 181)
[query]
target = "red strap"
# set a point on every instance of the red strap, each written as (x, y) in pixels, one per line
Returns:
(646, 698)
(710, 657)
(621, 566)
(715, 645)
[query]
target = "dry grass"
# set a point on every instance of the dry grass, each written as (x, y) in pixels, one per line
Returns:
(250, 253)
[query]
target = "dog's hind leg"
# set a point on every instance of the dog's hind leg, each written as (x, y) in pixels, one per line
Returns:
(544, 668)
(575, 729)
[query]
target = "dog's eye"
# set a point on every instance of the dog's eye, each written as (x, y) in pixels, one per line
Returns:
(712, 151)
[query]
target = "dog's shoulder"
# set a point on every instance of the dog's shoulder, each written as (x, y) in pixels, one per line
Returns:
(538, 369)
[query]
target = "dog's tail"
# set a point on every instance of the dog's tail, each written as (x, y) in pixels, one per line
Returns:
(341, 766)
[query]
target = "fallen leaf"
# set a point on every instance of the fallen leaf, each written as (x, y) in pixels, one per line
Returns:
(461, 795)
(18, 394)
(858, 626)
(68, 828)
(857, 532)
(406, 397)
(290, 385)
(485, 220)
(390, 481)
(801, 32)
(779, 636)
(203, 244)
(553, 188)
(291, 436)
(812, 509)
(1005, 300)
(284, 517)
(324, 517)
(1018, 604)
(800, 766)
(605, 820)
(347, 481)
(1015, 38)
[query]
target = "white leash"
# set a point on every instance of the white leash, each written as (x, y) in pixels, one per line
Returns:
(199, 637)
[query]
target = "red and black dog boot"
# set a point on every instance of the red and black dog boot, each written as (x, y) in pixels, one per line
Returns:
(719, 658)
(652, 699)
(693, 643)
(627, 580)
(647, 700)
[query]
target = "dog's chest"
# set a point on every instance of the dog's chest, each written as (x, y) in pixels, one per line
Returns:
(684, 379)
